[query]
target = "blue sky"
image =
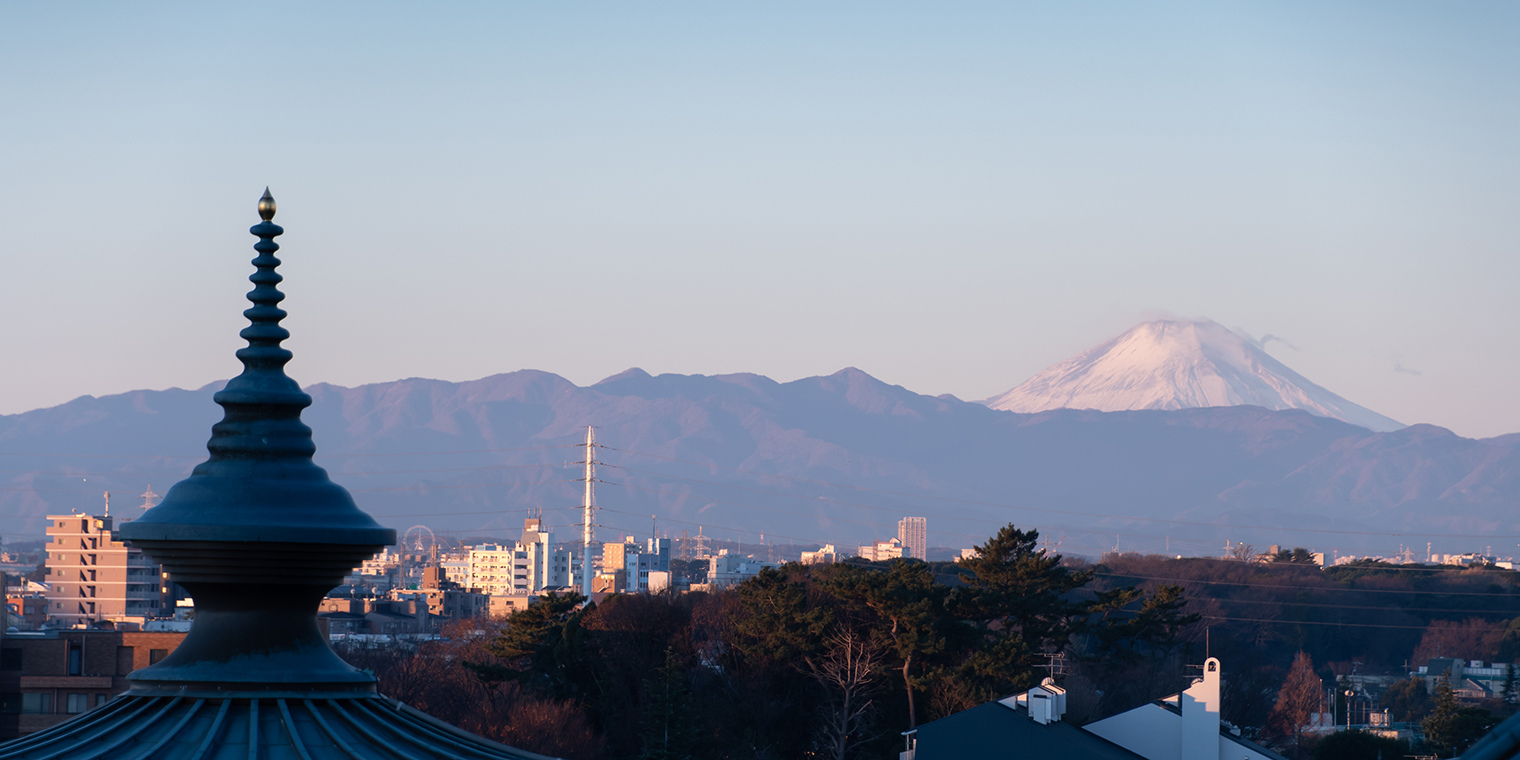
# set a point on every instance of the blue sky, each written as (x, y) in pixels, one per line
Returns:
(948, 196)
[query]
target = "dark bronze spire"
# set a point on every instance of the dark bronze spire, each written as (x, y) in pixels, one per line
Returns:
(257, 534)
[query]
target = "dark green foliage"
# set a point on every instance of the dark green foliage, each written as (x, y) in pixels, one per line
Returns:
(1298, 555)
(1407, 700)
(1019, 601)
(1452, 728)
(1359, 745)
(912, 622)
(783, 618)
(541, 647)
(1114, 630)
(1511, 693)
(668, 730)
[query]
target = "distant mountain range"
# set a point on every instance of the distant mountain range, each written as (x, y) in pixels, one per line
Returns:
(838, 458)
(1180, 364)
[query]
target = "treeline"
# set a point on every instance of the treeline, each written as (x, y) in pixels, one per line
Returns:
(805, 661)
(836, 660)
(1365, 617)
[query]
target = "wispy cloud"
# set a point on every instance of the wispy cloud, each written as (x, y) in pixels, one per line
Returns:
(1262, 342)
(1399, 367)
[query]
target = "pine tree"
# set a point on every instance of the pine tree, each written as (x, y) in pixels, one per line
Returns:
(1511, 693)
(668, 733)
(1452, 728)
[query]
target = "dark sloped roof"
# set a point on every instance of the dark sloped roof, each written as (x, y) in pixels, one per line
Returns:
(1502, 743)
(994, 730)
(277, 727)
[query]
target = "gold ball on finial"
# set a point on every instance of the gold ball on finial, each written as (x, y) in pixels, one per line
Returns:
(266, 206)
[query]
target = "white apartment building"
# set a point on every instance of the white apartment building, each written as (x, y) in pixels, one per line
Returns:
(527, 567)
(828, 555)
(456, 568)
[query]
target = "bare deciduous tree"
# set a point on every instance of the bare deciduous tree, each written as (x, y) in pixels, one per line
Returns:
(1298, 701)
(847, 671)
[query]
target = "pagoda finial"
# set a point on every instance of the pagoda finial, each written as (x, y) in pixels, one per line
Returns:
(266, 206)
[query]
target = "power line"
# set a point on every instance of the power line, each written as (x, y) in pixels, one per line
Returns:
(1338, 625)
(895, 510)
(318, 456)
(1058, 511)
(1353, 607)
(430, 487)
(1300, 588)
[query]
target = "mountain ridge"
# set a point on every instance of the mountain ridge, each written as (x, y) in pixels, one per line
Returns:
(836, 458)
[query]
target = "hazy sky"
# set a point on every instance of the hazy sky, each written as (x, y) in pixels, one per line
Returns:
(948, 196)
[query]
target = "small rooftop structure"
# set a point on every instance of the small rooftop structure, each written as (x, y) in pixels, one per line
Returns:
(257, 534)
(1184, 726)
(1024, 725)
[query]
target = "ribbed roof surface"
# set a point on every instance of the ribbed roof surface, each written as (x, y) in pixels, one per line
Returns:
(1502, 743)
(291, 727)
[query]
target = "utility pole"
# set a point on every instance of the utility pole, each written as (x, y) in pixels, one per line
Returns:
(588, 503)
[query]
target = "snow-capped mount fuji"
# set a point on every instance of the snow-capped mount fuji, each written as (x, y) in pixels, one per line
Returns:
(1180, 364)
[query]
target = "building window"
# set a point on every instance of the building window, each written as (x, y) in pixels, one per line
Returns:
(10, 658)
(100, 699)
(37, 704)
(78, 703)
(154, 655)
(74, 660)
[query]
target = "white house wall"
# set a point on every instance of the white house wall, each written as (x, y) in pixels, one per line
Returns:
(1150, 731)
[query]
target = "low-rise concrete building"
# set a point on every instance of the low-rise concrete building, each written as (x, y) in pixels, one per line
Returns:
(882, 551)
(724, 569)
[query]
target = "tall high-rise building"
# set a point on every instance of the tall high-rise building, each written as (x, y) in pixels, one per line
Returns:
(913, 532)
(92, 576)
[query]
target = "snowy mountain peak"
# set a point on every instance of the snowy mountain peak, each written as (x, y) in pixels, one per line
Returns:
(1180, 364)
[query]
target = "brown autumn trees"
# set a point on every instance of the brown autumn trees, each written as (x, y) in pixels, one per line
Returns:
(1299, 700)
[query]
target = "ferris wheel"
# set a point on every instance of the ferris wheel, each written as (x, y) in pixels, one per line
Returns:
(418, 538)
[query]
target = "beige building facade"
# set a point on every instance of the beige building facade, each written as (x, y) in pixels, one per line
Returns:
(91, 576)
